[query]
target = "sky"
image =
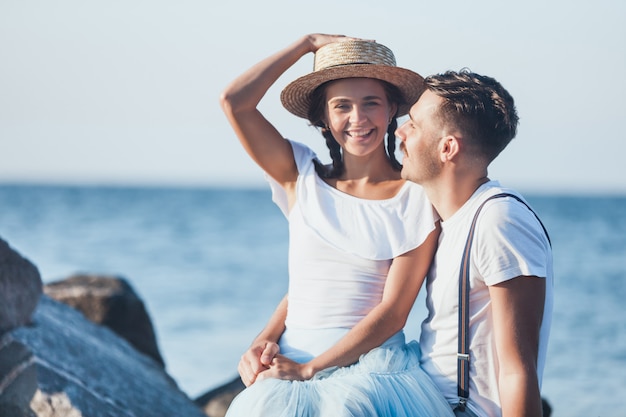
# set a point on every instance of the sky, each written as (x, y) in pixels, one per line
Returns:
(126, 92)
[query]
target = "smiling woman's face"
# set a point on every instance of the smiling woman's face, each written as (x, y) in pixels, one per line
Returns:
(358, 113)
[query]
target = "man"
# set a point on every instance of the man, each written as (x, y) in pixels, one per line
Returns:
(456, 129)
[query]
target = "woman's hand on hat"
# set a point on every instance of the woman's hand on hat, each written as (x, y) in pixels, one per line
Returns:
(317, 40)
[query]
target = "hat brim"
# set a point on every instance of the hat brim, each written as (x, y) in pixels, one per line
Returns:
(296, 96)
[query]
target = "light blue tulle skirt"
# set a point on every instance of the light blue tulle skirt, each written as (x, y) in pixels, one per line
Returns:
(387, 381)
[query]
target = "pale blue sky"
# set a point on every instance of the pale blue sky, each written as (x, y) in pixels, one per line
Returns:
(126, 92)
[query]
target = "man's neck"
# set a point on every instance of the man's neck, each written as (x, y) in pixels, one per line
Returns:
(449, 196)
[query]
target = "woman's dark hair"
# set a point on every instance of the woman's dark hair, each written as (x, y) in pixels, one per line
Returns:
(316, 115)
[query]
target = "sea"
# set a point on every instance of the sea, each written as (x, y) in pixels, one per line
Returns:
(210, 265)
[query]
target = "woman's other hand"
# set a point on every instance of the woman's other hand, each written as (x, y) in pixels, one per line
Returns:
(255, 360)
(284, 368)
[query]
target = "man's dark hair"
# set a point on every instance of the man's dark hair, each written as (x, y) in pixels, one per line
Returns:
(479, 107)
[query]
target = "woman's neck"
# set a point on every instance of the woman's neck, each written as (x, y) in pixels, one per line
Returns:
(370, 184)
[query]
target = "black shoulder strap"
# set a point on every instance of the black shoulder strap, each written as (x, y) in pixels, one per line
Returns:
(463, 355)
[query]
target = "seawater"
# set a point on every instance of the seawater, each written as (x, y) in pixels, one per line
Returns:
(211, 265)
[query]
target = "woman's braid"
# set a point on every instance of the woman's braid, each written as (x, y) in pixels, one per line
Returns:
(391, 144)
(335, 153)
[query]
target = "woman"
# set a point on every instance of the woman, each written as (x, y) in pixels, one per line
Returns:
(361, 238)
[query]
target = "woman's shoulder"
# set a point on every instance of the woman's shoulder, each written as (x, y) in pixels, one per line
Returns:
(302, 154)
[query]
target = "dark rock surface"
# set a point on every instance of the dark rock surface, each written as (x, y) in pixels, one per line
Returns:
(214, 403)
(55, 362)
(83, 369)
(18, 378)
(111, 302)
(20, 288)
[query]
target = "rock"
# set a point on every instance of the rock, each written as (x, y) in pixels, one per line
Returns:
(20, 288)
(111, 302)
(86, 370)
(214, 403)
(18, 378)
(56, 404)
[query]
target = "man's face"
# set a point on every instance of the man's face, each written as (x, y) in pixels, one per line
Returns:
(420, 140)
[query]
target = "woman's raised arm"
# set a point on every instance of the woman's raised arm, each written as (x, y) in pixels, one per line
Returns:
(240, 99)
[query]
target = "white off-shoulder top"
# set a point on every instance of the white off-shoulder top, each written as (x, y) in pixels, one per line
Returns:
(341, 246)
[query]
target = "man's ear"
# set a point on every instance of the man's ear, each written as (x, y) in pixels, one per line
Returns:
(449, 148)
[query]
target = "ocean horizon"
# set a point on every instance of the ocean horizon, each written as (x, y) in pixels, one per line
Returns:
(210, 265)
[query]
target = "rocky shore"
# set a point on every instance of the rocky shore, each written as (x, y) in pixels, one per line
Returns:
(84, 347)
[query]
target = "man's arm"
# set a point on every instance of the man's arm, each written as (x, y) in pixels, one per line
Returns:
(517, 306)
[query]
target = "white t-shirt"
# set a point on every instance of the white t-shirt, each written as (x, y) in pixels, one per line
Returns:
(508, 242)
(340, 251)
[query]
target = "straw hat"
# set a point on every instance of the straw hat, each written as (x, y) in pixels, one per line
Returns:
(350, 59)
